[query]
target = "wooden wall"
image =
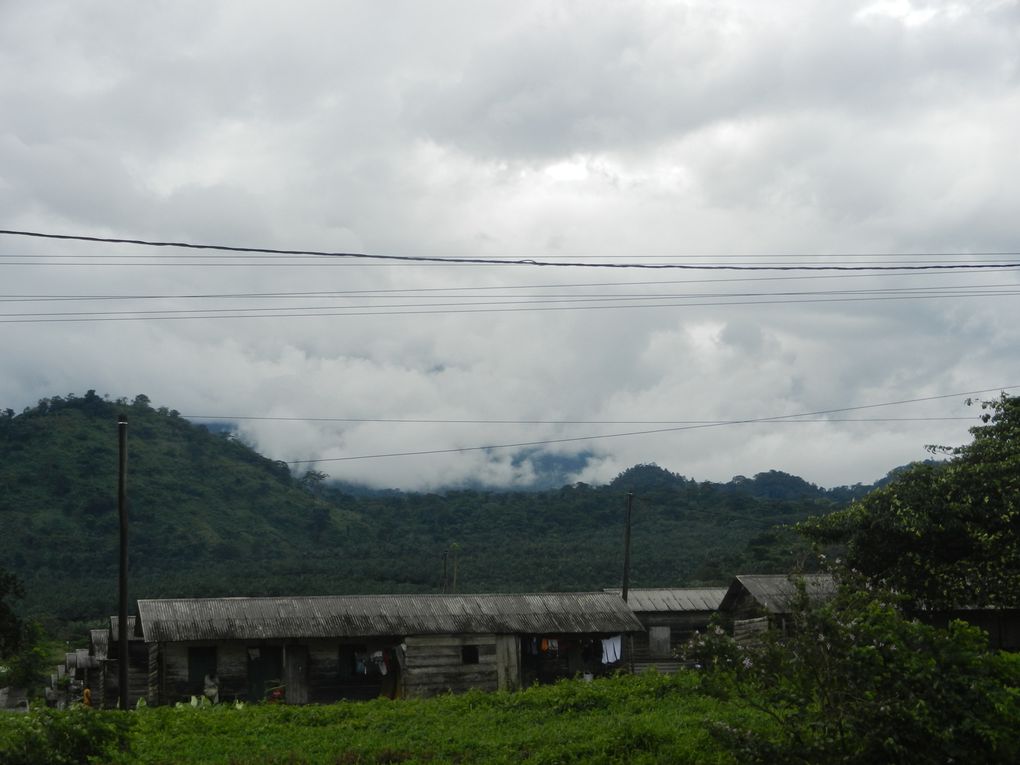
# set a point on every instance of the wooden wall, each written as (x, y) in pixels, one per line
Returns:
(681, 626)
(310, 670)
(313, 673)
(435, 664)
(108, 689)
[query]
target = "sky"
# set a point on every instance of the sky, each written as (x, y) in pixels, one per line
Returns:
(704, 134)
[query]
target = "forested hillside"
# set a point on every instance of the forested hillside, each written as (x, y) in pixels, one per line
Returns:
(210, 516)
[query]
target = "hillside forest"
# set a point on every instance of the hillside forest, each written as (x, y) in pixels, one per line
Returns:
(209, 516)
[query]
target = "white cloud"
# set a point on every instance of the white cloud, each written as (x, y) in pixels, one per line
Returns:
(540, 130)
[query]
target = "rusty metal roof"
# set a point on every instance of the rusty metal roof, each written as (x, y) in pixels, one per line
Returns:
(673, 599)
(378, 615)
(776, 592)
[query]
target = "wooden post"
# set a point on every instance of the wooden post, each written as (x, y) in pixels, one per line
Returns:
(122, 630)
(626, 579)
(626, 547)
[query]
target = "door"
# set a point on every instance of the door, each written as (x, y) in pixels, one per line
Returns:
(265, 671)
(295, 674)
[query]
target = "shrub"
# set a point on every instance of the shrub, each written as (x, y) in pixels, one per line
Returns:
(855, 681)
(66, 737)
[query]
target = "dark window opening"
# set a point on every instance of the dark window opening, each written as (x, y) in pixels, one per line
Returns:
(201, 664)
(354, 661)
(469, 654)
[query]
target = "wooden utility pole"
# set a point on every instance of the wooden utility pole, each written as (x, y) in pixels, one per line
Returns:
(629, 653)
(122, 630)
(455, 548)
(626, 547)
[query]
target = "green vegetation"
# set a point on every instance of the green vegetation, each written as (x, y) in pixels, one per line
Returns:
(947, 535)
(855, 681)
(638, 719)
(209, 516)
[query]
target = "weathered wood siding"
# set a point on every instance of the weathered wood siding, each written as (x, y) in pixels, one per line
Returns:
(174, 683)
(138, 678)
(435, 664)
(508, 662)
(747, 631)
(665, 634)
(310, 671)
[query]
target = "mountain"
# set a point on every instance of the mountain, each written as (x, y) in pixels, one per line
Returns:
(210, 516)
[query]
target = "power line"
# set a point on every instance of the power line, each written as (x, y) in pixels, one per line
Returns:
(13, 297)
(332, 311)
(413, 421)
(574, 439)
(534, 261)
(587, 300)
(463, 293)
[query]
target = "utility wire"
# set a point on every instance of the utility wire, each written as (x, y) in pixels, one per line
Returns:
(411, 421)
(460, 295)
(13, 297)
(209, 315)
(580, 297)
(532, 261)
(724, 423)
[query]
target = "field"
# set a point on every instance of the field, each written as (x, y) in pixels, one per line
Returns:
(642, 719)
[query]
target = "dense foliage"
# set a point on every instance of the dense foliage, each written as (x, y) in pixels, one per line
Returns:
(636, 719)
(210, 516)
(11, 589)
(945, 534)
(66, 737)
(855, 681)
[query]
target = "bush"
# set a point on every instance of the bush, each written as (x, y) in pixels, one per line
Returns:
(66, 737)
(855, 681)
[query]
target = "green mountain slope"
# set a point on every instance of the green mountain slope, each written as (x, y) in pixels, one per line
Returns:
(210, 516)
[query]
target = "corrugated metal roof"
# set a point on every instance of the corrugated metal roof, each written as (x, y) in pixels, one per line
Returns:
(100, 640)
(672, 599)
(776, 592)
(132, 628)
(378, 615)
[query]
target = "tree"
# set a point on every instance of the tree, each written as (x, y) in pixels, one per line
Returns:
(945, 534)
(10, 625)
(855, 681)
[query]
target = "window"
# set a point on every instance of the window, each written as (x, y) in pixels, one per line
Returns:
(469, 654)
(201, 662)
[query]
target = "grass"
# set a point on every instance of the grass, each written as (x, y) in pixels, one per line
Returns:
(628, 719)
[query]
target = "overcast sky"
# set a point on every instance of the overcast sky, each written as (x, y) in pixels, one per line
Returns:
(701, 133)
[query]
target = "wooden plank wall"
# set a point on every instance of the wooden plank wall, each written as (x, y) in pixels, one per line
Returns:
(749, 630)
(231, 669)
(138, 678)
(434, 664)
(322, 668)
(682, 627)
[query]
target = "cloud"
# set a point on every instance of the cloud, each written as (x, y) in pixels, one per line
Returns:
(727, 132)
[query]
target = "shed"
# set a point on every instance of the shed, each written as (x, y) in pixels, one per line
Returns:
(670, 617)
(138, 664)
(756, 601)
(325, 648)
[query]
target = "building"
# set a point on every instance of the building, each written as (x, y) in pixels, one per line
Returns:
(670, 617)
(322, 649)
(755, 602)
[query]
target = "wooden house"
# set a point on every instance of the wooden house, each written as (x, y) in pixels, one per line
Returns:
(756, 602)
(107, 674)
(670, 617)
(326, 648)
